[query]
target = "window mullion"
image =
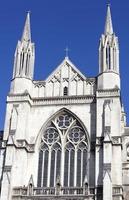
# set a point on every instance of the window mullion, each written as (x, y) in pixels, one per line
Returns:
(69, 168)
(42, 176)
(55, 168)
(49, 168)
(81, 167)
(75, 167)
(62, 163)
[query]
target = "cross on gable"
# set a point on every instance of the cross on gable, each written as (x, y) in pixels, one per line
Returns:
(67, 52)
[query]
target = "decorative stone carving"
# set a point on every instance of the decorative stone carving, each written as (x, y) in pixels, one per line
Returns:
(39, 84)
(25, 144)
(108, 93)
(99, 141)
(116, 140)
(91, 81)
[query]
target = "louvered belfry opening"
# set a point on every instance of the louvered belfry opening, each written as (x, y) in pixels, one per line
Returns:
(63, 152)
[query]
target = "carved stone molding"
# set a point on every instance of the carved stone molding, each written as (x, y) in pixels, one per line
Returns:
(39, 84)
(91, 81)
(108, 93)
(63, 100)
(25, 144)
(99, 141)
(11, 98)
(50, 193)
(51, 100)
(19, 144)
(116, 140)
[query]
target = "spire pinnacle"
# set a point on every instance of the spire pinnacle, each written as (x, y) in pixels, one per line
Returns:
(26, 36)
(108, 24)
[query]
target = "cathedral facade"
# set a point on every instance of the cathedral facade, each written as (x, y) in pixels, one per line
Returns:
(65, 137)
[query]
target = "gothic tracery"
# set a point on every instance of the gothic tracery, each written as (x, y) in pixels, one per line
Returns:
(63, 152)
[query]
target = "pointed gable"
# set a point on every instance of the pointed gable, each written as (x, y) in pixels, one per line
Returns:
(66, 71)
(66, 80)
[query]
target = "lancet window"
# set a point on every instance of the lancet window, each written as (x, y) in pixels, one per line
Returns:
(65, 91)
(63, 152)
(108, 57)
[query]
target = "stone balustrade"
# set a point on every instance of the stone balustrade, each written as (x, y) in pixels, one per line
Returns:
(53, 192)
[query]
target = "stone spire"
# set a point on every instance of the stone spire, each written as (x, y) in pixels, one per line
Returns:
(108, 24)
(109, 56)
(25, 53)
(26, 36)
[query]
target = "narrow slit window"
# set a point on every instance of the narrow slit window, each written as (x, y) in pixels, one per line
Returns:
(65, 91)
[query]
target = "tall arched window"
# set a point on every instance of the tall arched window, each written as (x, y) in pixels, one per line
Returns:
(63, 152)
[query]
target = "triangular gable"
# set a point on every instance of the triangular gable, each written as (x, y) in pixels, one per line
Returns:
(65, 63)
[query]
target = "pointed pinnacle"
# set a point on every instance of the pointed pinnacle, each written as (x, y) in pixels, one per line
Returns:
(26, 36)
(108, 24)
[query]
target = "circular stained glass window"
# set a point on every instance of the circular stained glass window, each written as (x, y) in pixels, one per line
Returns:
(50, 135)
(76, 134)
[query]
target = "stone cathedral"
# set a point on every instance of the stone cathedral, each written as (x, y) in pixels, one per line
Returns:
(65, 137)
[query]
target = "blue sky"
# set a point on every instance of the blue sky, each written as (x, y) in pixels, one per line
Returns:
(56, 24)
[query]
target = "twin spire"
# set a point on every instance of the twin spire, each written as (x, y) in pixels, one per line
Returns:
(108, 24)
(25, 51)
(26, 36)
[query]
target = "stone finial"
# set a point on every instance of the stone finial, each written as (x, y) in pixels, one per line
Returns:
(85, 185)
(30, 186)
